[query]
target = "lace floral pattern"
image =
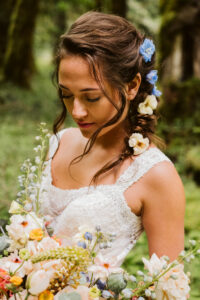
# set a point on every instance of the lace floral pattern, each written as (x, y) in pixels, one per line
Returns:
(103, 205)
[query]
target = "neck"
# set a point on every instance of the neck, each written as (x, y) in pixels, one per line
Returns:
(111, 142)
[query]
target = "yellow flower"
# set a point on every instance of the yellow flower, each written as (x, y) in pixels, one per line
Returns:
(36, 234)
(16, 280)
(94, 292)
(46, 295)
(15, 208)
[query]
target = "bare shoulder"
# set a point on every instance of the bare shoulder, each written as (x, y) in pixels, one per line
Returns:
(164, 189)
(164, 176)
(69, 136)
(163, 210)
(69, 132)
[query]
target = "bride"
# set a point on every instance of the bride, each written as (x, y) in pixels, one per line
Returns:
(108, 172)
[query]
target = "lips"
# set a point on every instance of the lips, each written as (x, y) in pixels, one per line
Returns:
(84, 125)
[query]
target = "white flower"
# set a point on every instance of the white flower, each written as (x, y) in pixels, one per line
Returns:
(21, 226)
(139, 143)
(155, 265)
(37, 160)
(13, 264)
(192, 242)
(148, 105)
(38, 282)
(127, 293)
(173, 289)
(147, 293)
(103, 267)
(33, 168)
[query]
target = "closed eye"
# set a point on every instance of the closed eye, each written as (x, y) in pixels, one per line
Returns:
(88, 99)
(93, 100)
(66, 97)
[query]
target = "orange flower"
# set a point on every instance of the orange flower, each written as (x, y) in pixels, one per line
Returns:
(46, 295)
(55, 238)
(36, 234)
(16, 280)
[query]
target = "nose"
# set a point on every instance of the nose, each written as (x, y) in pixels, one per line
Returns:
(79, 111)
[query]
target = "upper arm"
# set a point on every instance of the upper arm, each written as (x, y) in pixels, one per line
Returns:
(163, 211)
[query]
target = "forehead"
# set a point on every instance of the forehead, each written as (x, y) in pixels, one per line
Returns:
(74, 69)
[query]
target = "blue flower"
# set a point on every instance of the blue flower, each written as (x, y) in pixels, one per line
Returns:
(147, 49)
(101, 285)
(107, 294)
(82, 244)
(152, 77)
(88, 236)
(156, 92)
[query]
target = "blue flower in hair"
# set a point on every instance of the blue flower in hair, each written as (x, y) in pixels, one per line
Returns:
(147, 49)
(156, 92)
(152, 77)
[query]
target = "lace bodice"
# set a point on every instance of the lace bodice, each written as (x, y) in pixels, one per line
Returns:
(103, 205)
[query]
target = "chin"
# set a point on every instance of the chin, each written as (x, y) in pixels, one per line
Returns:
(85, 133)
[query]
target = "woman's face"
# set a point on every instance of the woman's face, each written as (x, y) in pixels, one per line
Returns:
(83, 98)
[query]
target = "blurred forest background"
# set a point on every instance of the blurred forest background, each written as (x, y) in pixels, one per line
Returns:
(29, 31)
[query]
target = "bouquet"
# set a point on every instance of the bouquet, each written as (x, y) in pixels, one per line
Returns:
(35, 264)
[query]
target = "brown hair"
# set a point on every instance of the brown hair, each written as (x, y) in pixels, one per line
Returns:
(110, 45)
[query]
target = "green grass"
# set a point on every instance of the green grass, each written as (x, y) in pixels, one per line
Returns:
(21, 111)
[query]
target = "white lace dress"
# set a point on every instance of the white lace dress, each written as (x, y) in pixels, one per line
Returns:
(103, 205)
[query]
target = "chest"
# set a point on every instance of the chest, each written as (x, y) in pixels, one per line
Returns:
(78, 175)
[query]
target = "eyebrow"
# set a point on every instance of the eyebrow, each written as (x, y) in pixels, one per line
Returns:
(82, 90)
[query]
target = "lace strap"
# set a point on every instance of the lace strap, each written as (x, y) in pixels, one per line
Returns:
(140, 166)
(54, 142)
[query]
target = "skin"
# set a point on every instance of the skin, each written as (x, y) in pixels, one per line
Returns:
(158, 197)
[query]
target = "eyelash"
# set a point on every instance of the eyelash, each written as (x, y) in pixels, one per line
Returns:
(89, 100)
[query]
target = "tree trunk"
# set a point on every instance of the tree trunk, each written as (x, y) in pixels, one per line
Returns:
(119, 7)
(98, 5)
(60, 21)
(18, 62)
(5, 13)
(180, 23)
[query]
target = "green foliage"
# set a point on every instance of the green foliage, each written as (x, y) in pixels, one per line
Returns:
(20, 113)
(169, 11)
(172, 5)
(144, 15)
(182, 100)
(193, 158)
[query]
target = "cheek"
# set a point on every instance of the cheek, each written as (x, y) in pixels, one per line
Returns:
(106, 111)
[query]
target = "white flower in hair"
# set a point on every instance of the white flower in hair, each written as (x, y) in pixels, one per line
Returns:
(138, 142)
(148, 105)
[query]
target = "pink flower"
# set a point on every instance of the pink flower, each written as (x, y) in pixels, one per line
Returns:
(174, 285)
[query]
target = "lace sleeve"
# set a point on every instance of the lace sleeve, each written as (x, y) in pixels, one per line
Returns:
(54, 142)
(140, 166)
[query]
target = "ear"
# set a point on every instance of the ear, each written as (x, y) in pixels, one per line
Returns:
(133, 86)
